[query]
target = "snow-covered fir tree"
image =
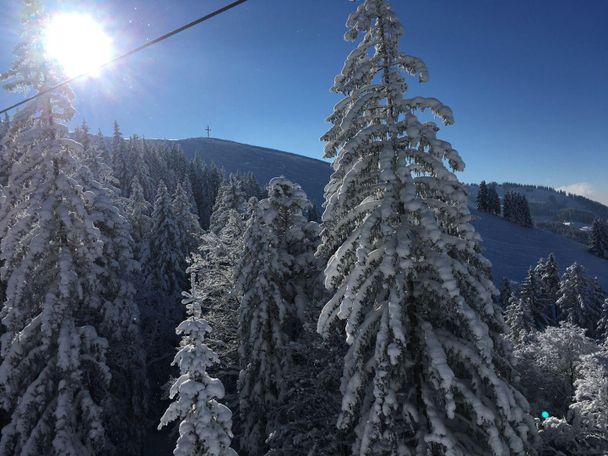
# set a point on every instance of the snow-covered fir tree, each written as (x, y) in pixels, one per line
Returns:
(167, 258)
(520, 320)
(138, 162)
(580, 299)
(272, 279)
(139, 212)
(205, 425)
(530, 293)
(547, 278)
(164, 280)
(120, 163)
(213, 264)
(187, 222)
(60, 360)
(93, 156)
(599, 238)
(507, 290)
(516, 209)
(231, 195)
(548, 363)
(122, 323)
(493, 200)
(482, 197)
(591, 402)
(427, 371)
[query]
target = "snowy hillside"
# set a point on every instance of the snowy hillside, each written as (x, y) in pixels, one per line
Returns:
(512, 249)
(264, 163)
(549, 205)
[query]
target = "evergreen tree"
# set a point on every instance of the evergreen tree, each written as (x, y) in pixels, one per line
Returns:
(213, 263)
(580, 299)
(506, 292)
(187, 222)
(139, 212)
(120, 162)
(482, 197)
(212, 179)
(602, 324)
(231, 195)
(525, 216)
(530, 293)
(313, 213)
(493, 200)
(60, 363)
(272, 283)
(547, 275)
(125, 356)
(92, 157)
(251, 187)
(196, 175)
(167, 259)
(427, 369)
(520, 320)
(205, 424)
(591, 402)
(516, 209)
(599, 238)
(164, 280)
(548, 364)
(137, 157)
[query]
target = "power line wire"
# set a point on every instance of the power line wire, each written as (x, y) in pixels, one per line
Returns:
(132, 51)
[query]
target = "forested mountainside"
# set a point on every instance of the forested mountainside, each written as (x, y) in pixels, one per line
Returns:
(550, 205)
(510, 248)
(263, 162)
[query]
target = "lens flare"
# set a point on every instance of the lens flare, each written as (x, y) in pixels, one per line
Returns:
(78, 43)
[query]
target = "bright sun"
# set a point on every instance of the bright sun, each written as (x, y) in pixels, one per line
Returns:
(77, 42)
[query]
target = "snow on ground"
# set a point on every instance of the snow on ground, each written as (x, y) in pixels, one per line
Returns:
(512, 249)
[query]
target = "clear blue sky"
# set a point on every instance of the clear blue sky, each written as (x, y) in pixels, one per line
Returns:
(527, 79)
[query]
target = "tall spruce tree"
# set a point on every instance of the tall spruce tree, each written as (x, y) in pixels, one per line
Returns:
(580, 299)
(187, 222)
(547, 274)
(599, 238)
(231, 195)
(516, 209)
(139, 212)
(120, 163)
(506, 291)
(118, 271)
(205, 424)
(427, 371)
(482, 197)
(61, 348)
(272, 283)
(167, 258)
(493, 199)
(520, 320)
(530, 293)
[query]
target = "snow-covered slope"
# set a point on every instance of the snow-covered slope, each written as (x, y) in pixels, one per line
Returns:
(264, 163)
(512, 249)
(547, 204)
